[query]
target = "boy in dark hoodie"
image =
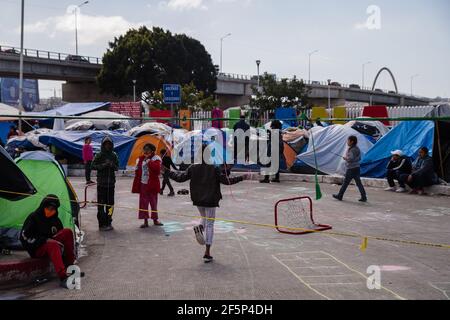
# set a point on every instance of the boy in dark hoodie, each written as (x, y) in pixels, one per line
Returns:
(205, 180)
(106, 163)
(43, 235)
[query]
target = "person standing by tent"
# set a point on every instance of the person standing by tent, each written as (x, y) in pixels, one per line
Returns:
(146, 184)
(167, 163)
(275, 125)
(44, 236)
(88, 156)
(244, 126)
(423, 174)
(353, 159)
(205, 180)
(106, 163)
(398, 166)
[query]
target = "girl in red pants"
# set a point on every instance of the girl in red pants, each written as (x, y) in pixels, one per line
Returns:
(146, 183)
(44, 236)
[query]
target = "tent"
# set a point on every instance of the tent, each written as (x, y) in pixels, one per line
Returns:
(72, 109)
(71, 142)
(330, 146)
(99, 124)
(47, 177)
(408, 136)
(374, 129)
(159, 142)
(13, 179)
(287, 115)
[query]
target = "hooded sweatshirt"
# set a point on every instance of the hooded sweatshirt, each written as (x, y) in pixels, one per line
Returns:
(106, 163)
(37, 228)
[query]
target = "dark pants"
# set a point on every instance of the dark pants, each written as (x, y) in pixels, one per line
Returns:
(61, 257)
(352, 174)
(166, 181)
(418, 181)
(393, 175)
(87, 170)
(105, 209)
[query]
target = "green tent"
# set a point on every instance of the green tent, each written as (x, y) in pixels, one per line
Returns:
(47, 177)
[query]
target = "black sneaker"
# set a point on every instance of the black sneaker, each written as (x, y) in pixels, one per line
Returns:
(275, 181)
(207, 259)
(337, 197)
(171, 194)
(363, 200)
(264, 181)
(106, 228)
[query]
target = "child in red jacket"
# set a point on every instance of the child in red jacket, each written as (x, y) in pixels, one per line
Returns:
(146, 183)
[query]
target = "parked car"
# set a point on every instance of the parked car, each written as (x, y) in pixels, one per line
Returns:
(75, 58)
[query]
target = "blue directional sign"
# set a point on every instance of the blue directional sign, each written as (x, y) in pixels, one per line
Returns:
(172, 93)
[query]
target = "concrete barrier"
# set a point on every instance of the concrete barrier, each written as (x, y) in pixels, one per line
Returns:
(19, 268)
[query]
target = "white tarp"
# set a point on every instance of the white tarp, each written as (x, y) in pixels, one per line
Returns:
(99, 124)
(331, 145)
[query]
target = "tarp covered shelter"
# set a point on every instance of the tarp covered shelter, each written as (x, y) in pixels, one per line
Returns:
(72, 143)
(330, 147)
(47, 177)
(408, 136)
(99, 124)
(72, 109)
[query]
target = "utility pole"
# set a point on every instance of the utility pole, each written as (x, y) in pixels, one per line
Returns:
(258, 63)
(76, 24)
(21, 64)
(309, 65)
(221, 50)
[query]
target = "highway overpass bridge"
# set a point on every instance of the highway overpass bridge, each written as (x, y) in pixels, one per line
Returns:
(232, 90)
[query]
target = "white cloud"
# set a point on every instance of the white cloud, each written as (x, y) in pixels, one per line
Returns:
(91, 29)
(181, 5)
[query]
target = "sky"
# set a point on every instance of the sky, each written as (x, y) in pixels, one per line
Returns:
(409, 37)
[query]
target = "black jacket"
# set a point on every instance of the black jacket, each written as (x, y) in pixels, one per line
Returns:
(168, 163)
(106, 163)
(37, 228)
(403, 165)
(424, 169)
(205, 183)
(241, 125)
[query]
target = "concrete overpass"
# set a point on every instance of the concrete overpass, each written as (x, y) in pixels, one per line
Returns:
(232, 90)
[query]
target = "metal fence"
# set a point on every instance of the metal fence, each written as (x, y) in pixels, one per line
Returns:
(352, 113)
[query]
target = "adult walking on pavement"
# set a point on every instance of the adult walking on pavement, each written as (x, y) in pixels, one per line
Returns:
(352, 159)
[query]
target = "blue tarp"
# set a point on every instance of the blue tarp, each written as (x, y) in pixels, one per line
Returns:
(72, 109)
(287, 113)
(72, 143)
(4, 130)
(408, 136)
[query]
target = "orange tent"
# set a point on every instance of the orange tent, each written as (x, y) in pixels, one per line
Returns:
(289, 155)
(159, 142)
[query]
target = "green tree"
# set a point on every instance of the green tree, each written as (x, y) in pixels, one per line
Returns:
(284, 93)
(152, 58)
(191, 98)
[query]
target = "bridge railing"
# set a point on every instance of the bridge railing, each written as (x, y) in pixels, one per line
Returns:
(50, 55)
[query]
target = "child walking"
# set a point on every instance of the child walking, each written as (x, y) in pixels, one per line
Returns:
(88, 156)
(353, 159)
(205, 180)
(146, 184)
(167, 164)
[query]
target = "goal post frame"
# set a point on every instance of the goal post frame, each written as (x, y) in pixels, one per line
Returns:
(318, 227)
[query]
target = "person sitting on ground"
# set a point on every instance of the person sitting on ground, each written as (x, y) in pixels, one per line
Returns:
(44, 236)
(353, 159)
(205, 180)
(399, 165)
(167, 163)
(423, 174)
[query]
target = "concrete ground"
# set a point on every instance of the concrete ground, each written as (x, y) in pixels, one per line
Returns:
(259, 263)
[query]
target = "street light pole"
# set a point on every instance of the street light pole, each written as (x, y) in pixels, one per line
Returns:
(134, 90)
(258, 62)
(221, 49)
(21, 64)
(412, 79)
(329, 94)
(363, 73)
(309, 65)
(76, 24)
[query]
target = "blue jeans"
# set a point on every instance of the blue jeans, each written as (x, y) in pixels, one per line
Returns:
(352, 174)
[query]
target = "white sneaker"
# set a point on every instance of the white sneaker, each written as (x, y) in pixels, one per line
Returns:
(199, 235)
(393, 189)
(401, 190)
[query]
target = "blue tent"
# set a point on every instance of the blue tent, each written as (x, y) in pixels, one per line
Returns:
(287, 113)
(408, 136)
(72, 142)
